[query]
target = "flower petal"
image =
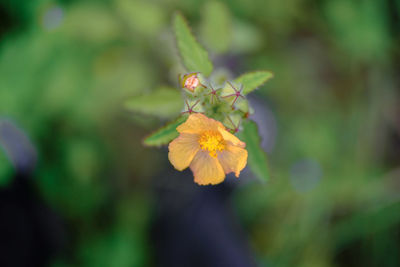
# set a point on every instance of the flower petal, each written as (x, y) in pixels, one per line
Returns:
(197, 123)
(233, 159)
(206, 169)
(231, 138)
(182, 150)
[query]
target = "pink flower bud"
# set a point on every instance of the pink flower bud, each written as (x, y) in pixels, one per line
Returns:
(190, 81)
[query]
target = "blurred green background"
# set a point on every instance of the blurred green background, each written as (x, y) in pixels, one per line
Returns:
(333, 198)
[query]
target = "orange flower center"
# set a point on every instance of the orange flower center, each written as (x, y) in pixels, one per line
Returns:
(212, 141)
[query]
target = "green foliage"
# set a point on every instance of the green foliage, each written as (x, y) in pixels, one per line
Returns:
(113, 249)
(257, 158)
(246, 37)
(369, 26)
(380, 219)
(165, 134)
(6, 169)
(145, 17)
(163, 102)
(92, 24)
(194, 57)
(216, 28)
(253, 80)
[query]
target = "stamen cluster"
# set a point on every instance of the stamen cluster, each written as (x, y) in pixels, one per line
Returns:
(212, 141)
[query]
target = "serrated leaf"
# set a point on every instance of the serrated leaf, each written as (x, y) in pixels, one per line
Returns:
(164, 103)
(194, 56)
(165, 134)
(257, 159)
(253, 80)
(216, 28)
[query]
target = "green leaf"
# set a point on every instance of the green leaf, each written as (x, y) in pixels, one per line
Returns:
(253, 80)
(216, 28)
(194, 56)
(257, 159)
(165, 134)
(164, 103)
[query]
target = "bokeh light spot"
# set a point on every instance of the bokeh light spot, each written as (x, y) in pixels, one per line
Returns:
(305, 175)
(52, 18)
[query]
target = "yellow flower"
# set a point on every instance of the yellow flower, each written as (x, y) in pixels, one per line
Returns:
(208, 148)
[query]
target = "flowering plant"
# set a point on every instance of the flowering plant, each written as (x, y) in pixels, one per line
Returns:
(214, 111)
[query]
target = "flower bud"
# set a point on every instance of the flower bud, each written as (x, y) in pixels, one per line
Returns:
(190, 81)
